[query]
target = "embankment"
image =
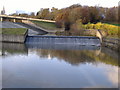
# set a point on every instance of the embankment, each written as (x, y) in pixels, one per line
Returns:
(16, 35)
(113, 43)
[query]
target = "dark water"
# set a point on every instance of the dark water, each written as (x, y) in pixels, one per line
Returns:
(35, 66)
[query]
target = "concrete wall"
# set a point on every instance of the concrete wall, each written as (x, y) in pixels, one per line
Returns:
(93, 32)
(14, 38)
(111, 43)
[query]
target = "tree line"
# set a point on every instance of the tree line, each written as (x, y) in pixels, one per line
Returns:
(68, 17)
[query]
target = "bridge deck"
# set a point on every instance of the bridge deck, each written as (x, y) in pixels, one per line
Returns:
(24, 18)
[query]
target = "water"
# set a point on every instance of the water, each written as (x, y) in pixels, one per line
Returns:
(70, 40)
(35, 66)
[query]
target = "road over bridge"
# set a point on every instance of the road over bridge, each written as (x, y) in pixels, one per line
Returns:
(21, 18)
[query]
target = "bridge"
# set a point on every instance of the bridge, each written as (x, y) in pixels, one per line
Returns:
(14, 18)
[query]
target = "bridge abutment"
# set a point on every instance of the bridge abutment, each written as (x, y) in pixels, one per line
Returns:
(1, 19)
(14, 20)
(99, 34)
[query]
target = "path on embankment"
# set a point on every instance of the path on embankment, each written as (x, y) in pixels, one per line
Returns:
(32, 30)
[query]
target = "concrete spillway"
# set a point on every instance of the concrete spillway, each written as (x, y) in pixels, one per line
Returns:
(62, 40)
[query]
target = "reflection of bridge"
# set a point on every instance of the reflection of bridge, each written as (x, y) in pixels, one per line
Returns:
(14, 18)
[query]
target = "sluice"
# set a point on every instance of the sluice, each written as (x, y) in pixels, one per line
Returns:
(76, 40)
(63, 42)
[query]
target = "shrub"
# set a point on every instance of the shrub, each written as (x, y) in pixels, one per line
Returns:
(110, 30)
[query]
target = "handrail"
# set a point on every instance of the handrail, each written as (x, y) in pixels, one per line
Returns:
(24, 18)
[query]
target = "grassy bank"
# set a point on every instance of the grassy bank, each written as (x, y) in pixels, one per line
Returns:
(112, 23)
(46, 25)
(14, 31)
(109, 29)
(78, 29)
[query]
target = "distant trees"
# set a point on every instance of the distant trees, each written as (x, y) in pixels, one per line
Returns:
(118, 14)
(43, 13)
(46, 13)
(75, 14)
(68, 17)
(15, 14)
(72, 14)
(53, 13)
(21, 15)
(32, 15)
(111, 14)
(24, 15)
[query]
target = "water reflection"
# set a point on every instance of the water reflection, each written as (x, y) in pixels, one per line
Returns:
(13, 48)
(35, 66)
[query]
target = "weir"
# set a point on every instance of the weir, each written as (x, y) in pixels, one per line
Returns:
(63, 40)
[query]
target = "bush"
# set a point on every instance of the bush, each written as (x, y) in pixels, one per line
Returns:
(110, 30)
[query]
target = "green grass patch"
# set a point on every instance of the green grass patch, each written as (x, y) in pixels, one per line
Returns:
(46, 25)
(113, 24)
(14, 31)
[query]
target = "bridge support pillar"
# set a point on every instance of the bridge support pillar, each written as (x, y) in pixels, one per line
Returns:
(1, 19)
(14, 20)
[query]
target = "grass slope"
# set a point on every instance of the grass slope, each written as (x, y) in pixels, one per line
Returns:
(46, 25)
(14, 31)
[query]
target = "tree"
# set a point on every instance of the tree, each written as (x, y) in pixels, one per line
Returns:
(32, 15)
(85, 16)
(24, 15)
(43, 13)
(62, 19)
(94, 14)
(53, 13)
(118, 14)
(14, 14)
(111, 14)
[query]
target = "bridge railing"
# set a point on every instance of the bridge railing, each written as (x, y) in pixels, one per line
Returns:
(24, 18)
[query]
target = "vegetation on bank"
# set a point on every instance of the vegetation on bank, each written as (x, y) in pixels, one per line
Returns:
(14, 31)
(112, 23)
(46, 25)
(109, 29)
(78, 29)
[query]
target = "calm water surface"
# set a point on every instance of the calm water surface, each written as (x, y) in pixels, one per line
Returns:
(54, 67)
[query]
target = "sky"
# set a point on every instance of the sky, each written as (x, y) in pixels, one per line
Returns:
(11, 6)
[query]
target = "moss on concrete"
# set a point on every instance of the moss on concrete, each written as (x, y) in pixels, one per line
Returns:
(14, 31)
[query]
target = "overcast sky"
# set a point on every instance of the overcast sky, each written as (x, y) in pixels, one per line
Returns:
(11, 6)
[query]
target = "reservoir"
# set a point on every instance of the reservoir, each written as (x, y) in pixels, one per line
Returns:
(58, 66)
